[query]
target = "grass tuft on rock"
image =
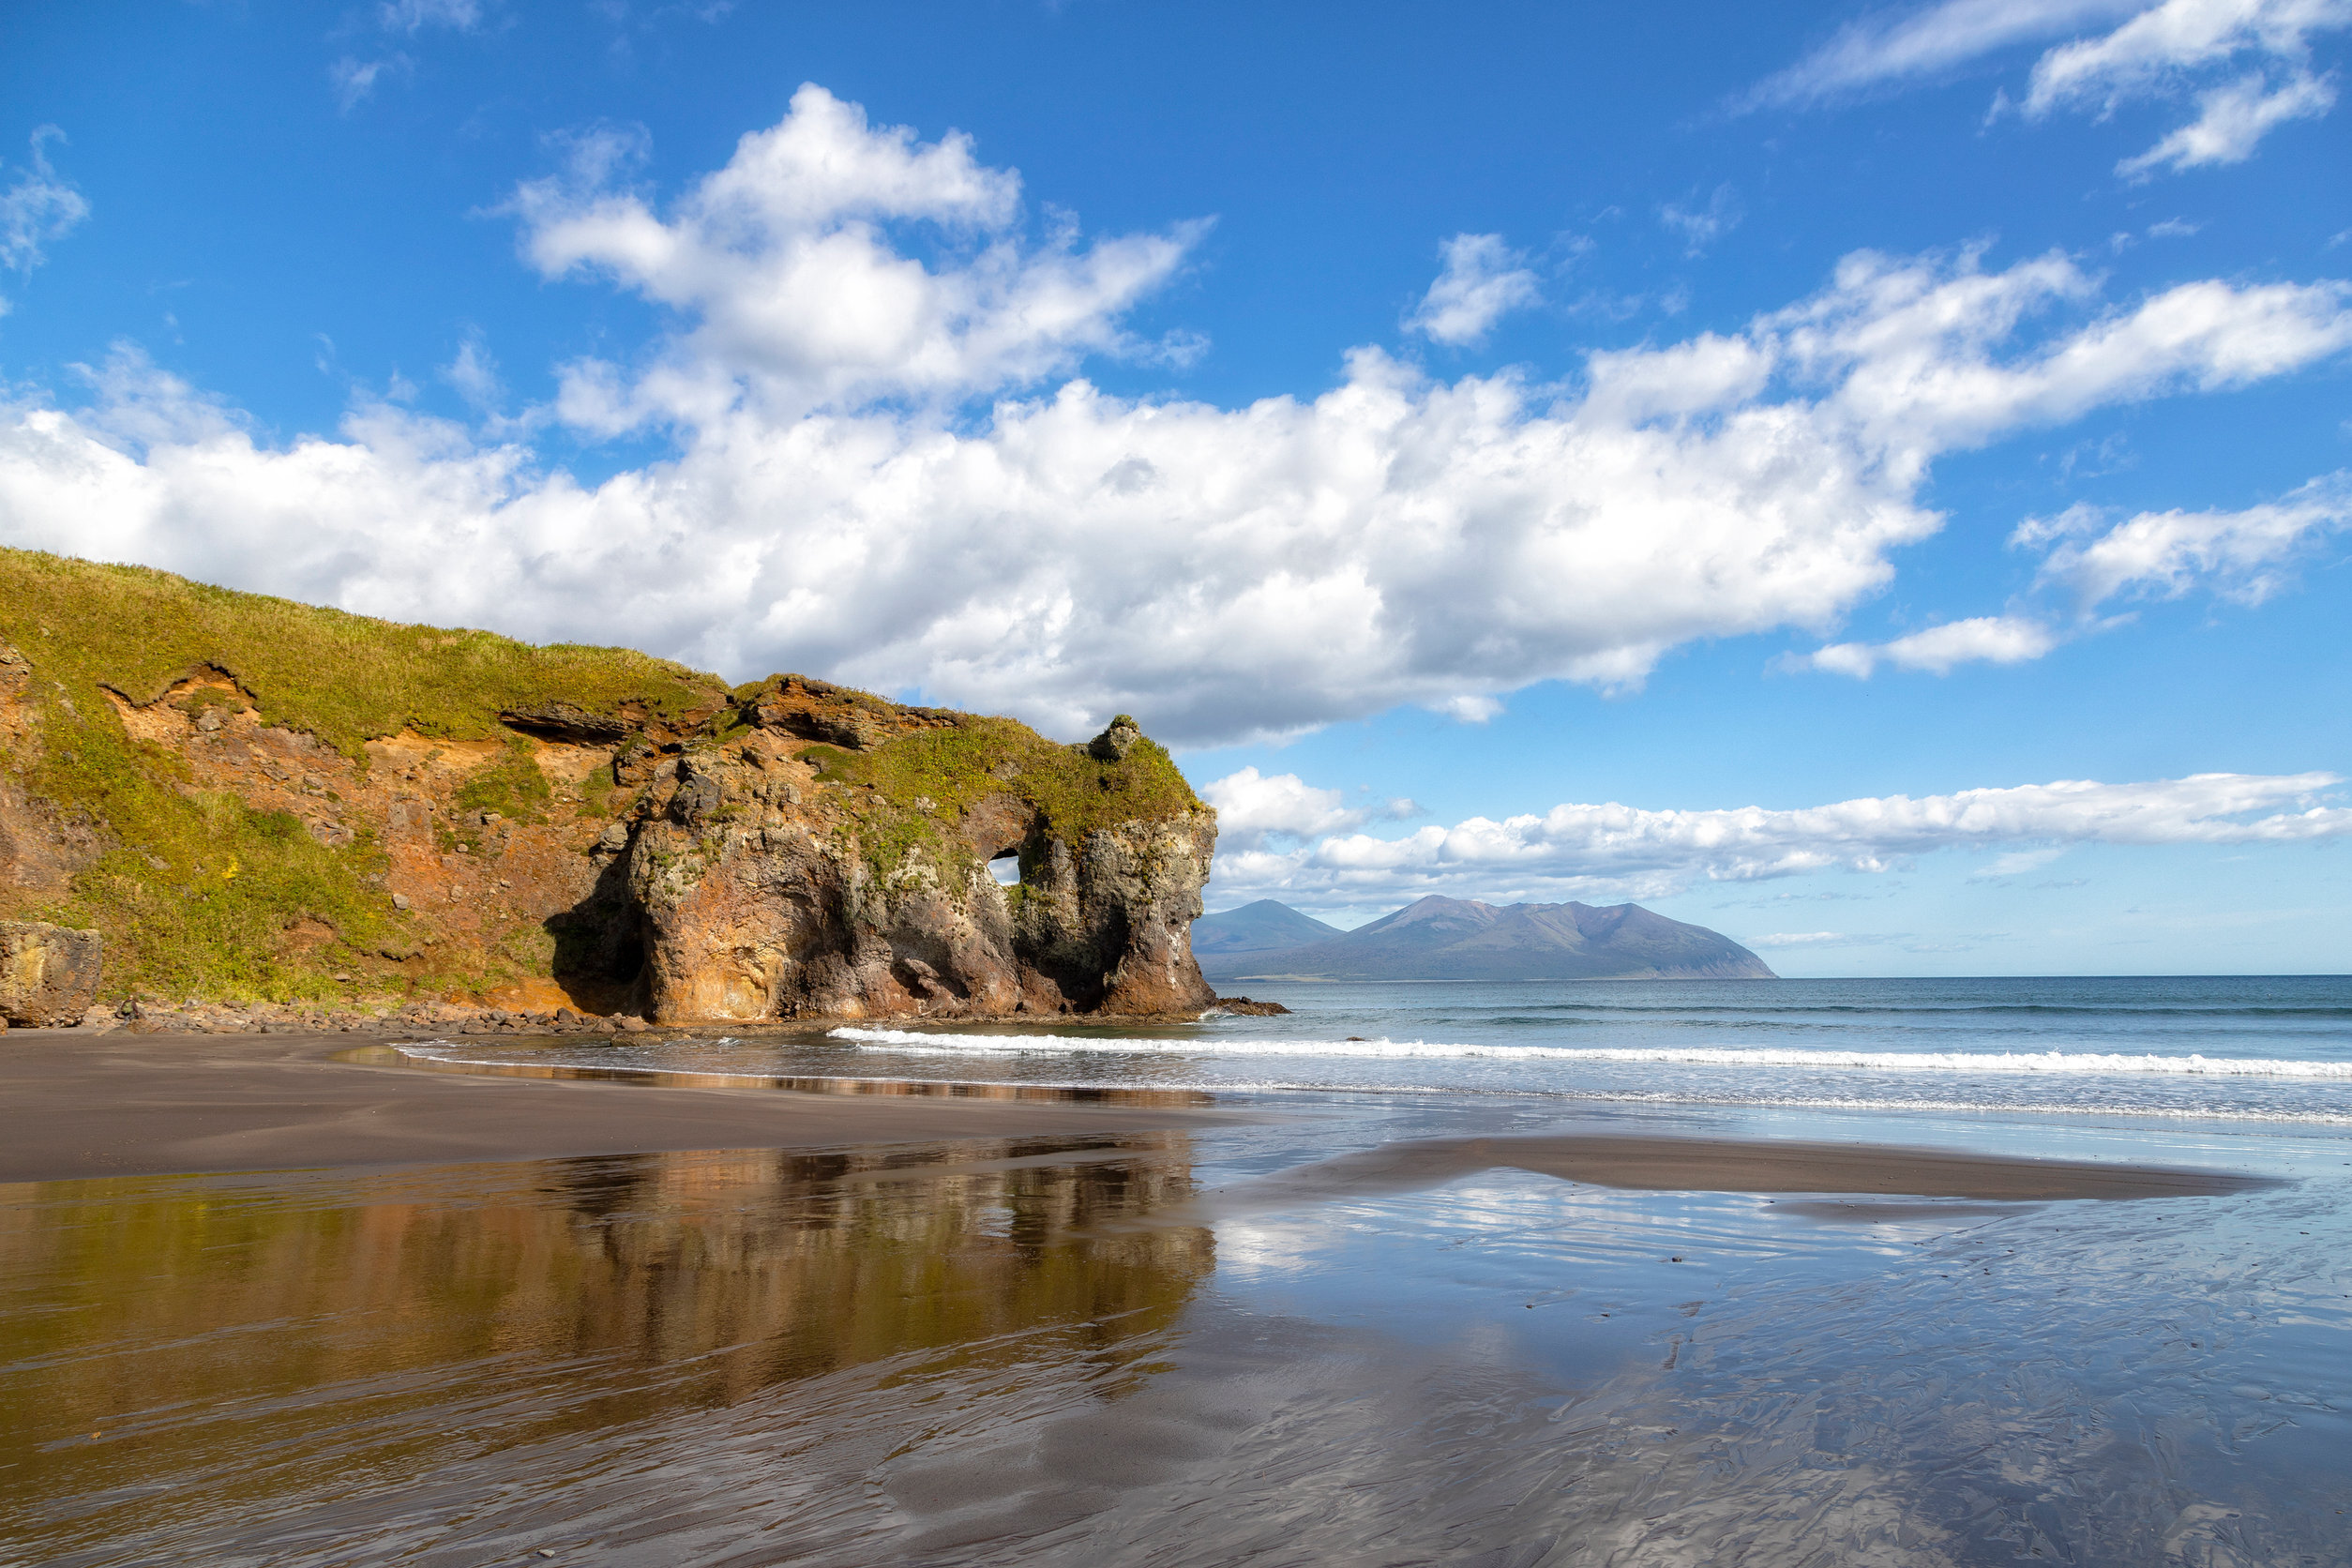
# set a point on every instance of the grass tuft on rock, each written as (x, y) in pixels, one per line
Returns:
(510, 785)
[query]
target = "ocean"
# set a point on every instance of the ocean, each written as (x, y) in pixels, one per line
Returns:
(1278, 1334)
(2220, 1049)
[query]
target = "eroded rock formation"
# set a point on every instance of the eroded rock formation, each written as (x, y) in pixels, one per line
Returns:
(836, 861)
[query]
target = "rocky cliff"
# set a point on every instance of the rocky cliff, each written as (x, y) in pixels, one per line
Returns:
(254, 800)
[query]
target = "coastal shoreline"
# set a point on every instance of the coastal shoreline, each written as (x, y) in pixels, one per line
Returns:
(120, 1103)
(73, 1105)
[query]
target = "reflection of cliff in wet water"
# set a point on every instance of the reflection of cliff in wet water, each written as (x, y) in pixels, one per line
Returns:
(215, 1341)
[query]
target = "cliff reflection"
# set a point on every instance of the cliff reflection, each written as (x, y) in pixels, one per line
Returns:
(216, 1344)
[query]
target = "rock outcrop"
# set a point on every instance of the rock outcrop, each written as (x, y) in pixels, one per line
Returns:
(778, 878)
(48, 974)
(271, 810)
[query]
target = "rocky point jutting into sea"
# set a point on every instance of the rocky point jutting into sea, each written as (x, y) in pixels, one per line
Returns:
(269, 810)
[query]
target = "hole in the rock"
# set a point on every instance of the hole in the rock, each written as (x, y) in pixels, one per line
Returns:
(1007, 868)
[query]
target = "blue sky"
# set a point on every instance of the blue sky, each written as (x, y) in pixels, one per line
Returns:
(1842, 474)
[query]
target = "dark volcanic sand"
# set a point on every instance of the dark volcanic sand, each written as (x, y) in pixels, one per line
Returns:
(151, 1104)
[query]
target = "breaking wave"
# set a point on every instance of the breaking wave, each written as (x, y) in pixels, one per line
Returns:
(2073, 1062)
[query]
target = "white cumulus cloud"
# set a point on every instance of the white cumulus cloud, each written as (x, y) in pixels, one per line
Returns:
(788, 264)
(2158, 45)
(1576, 850)
(864, 479)
(2167, 49)
(1484, 280)
(1251, 808)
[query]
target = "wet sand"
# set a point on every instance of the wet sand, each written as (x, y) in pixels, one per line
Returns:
(1648, 1163)
(163, 1104)
(842, 1328)
(151, 1104)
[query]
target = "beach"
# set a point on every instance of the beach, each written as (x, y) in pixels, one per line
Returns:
(287, 1299)
(168, 1104)
(137, 1104)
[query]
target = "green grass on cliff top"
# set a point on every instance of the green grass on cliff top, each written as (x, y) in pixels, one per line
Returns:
(346, 679)
(930, 779)
(955, 769)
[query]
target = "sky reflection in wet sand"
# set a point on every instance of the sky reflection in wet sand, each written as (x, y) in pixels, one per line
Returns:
(1037, 1351)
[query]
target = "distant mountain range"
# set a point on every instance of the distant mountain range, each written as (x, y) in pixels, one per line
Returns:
(1460, 939)
(1264, 926)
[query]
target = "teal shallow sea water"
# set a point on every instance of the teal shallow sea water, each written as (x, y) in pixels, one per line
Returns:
(1103, 1350)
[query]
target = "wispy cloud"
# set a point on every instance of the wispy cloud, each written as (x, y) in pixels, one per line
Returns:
(39, 206)
(1825, 938)
(2245, 63)
(2244, 555)
(1905, 45)
(354, 79)
(414, 16)
(1701, 226)
(2231, 119)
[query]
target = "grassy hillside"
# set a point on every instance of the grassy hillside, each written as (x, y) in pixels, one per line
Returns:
(195, 891)
(347, 679)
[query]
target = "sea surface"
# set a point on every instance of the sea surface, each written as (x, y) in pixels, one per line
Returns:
(2229, 1049)
(1119, 1349)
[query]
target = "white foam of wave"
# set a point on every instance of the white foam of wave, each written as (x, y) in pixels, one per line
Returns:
(2297, 1115)
(1964, 1062)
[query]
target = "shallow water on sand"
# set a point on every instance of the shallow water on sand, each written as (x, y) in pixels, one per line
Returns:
(1141, 1350)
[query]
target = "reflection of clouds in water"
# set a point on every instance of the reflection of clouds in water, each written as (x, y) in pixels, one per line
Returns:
(2103, 1383)
(1266, 1246)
